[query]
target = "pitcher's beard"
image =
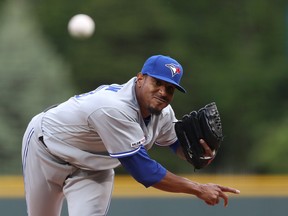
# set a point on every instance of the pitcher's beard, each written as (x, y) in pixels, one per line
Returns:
(154, 111)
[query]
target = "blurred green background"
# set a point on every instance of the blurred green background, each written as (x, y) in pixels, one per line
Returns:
(233, 52)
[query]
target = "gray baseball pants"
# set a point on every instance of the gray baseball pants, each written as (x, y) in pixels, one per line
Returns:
(48, 180)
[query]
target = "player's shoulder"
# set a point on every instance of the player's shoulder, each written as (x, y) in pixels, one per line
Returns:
(117, 97)
(109, 93)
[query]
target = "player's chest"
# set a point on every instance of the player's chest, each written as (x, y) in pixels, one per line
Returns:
(151, 133)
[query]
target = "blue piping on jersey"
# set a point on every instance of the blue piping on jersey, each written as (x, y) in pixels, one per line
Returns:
(124, 154)
(26, 147)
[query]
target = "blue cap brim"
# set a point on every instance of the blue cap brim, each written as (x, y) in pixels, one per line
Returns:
(180, 88)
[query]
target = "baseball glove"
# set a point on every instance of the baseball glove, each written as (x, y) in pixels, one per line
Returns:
(204, 124)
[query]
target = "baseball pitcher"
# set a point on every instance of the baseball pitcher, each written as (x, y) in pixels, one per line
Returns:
(70, 150)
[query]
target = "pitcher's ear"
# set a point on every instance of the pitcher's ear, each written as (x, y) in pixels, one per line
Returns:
(140, 78)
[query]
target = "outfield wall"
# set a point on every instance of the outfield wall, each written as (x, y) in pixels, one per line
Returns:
(260, 196)
(125, 186)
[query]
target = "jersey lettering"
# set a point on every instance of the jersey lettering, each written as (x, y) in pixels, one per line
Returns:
(85, 94)
(113, 88)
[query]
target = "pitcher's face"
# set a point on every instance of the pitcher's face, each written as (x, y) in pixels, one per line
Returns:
(153, 95)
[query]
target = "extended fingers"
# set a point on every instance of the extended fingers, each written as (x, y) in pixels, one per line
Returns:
(218, 192)
(221, 194)
(228, 189)
(224, 197)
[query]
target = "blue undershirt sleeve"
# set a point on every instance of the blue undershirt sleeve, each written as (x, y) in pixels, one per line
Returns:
(143, 169)
(175, 146)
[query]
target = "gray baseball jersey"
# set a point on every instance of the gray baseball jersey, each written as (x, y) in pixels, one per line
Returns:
(89, 132)
(104, 124)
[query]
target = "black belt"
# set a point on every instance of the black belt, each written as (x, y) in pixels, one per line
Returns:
(42, 141)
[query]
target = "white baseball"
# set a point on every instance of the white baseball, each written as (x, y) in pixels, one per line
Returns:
(81, 26)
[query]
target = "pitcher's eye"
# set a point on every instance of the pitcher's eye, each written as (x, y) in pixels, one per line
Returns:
(158, 82)
(170, 90)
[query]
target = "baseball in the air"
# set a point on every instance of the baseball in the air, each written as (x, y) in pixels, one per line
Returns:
(81, 26)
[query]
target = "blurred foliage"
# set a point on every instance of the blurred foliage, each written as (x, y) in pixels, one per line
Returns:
(233, 52)
(33, 76)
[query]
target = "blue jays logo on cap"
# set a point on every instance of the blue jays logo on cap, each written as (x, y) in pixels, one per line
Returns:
(174, 69)
(164, 68)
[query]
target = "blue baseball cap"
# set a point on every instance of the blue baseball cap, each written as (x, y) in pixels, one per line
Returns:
(164, 68)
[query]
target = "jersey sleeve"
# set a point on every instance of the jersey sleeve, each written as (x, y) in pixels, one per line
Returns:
(120, 133)
(143, 169)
